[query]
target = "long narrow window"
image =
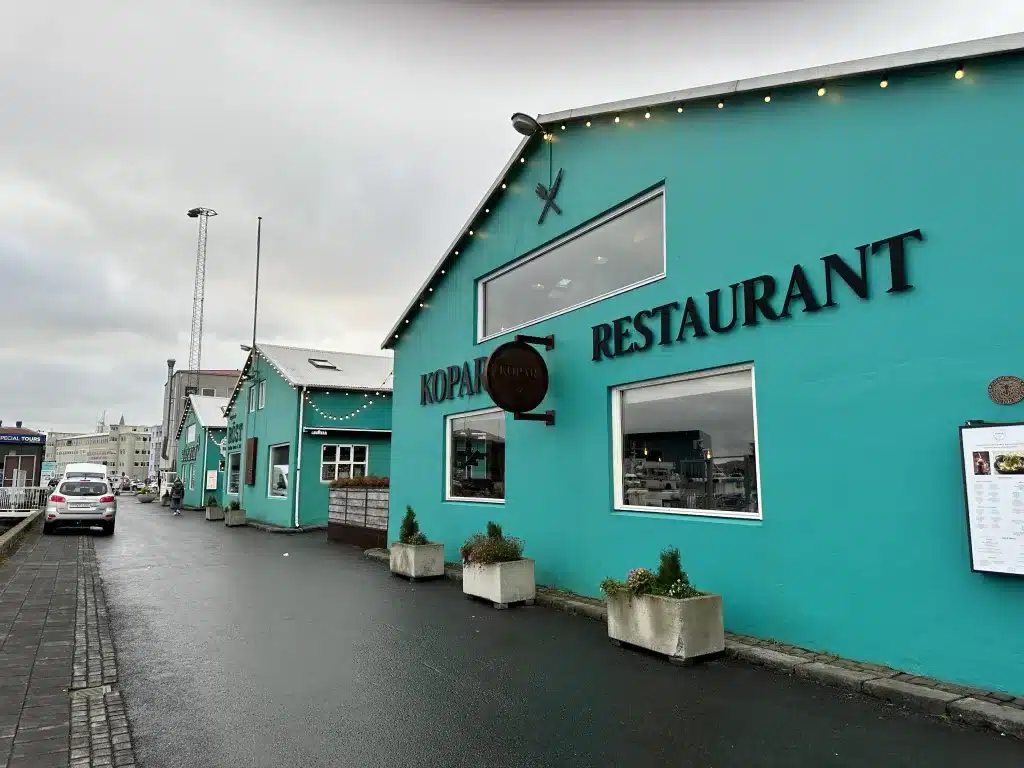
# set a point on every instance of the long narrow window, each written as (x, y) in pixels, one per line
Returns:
(234, 472)
(277, 475)
(475, 456)
(621, 250)
(687, 445)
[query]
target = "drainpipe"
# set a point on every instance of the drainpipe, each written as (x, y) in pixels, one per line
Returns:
(206, 437)
(298, 454)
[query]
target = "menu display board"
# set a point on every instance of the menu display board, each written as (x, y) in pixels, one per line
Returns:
(993, 466)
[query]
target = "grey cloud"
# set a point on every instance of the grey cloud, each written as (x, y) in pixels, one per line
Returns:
(362, 132)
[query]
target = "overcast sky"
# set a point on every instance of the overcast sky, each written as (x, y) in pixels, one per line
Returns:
(363, 133)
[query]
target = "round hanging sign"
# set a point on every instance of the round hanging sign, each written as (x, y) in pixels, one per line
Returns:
(1006, 390)
(516, 377)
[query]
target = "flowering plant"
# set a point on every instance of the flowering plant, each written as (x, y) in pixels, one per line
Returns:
(670, 580)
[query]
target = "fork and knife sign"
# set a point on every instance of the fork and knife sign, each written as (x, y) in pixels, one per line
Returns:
(548, 196)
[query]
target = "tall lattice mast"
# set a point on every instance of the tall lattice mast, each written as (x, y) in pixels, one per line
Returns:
(195, 345)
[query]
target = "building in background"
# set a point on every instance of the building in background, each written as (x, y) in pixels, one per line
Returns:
(53, 439)
(125, 450)
(328, 413)
(156, 439)
(200, 440)
(212, 383)
(22, 452)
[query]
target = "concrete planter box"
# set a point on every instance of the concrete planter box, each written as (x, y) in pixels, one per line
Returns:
(417, 561)
(146, 498)
(683, 630)
(501, 583)
(215, 513)
(234, 517)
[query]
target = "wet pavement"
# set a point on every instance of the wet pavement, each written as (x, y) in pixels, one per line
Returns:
(232, 654)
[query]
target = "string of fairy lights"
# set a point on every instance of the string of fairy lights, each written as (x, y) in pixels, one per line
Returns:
(472, 229)
(364, 402)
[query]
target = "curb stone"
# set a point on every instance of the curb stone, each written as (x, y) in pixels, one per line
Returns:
(880, 682)
(281, 529)
(10, 541)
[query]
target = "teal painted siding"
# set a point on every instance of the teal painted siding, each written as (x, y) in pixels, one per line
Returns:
(327, 410)
(863, 547)
(235, 417)
(213, 459)
(190, 472)
(274, 424)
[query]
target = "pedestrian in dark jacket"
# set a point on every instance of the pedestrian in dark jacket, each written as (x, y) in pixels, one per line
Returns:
(177, 494)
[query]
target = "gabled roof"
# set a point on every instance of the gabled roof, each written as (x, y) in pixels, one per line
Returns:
(322, 369)
(888, 64)
(209, 412)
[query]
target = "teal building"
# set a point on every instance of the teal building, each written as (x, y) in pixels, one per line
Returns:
(299, 419)
(201, 433)
(765, 308)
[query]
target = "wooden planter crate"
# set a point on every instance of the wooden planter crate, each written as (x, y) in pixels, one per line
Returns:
(358, 516)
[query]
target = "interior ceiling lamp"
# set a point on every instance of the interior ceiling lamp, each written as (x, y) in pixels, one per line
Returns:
(525, 124)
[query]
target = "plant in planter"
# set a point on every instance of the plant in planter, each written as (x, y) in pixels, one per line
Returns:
(234, 514)
(662, 612)
(213, 509)
(413, 555)
(493, 568)
(145, 495)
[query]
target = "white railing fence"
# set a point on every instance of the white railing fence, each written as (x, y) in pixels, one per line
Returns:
(22, 500)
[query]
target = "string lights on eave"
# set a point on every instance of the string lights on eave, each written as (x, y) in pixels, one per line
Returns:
(364, 402)
(547, 135)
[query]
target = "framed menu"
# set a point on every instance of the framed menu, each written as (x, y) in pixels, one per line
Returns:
(993, 466)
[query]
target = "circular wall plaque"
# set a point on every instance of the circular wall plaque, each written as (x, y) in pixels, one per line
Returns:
(1006, 390)
(516, 377)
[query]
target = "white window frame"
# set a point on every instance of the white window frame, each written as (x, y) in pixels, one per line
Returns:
(608, 216)
(448, 456)
(252, 398)
(191, 477)
(262, 389)
(227, 467)
(352, 463)
(208, 392)
(619, 504)
(270, 470)
(190, 434)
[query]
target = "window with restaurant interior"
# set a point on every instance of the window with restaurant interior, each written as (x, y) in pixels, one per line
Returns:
(475, 456)
(688, 444)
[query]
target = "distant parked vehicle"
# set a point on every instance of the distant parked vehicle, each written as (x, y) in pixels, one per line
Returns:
(82, 503)
(87, 471)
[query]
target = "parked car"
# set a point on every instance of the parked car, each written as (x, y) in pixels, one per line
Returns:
(81, 503)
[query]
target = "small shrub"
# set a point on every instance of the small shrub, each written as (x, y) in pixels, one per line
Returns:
(234, 506)
(670, 580)
(211, 501)
(143, 491)
(494, 547)
(410, 532)
(366, 481)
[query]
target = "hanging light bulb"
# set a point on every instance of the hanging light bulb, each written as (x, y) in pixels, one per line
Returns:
(821, 91)
(959, 74)
(767, 99)
(884, 83)
(679, 108)
(616, 118)
(647, 115)
(588, 123)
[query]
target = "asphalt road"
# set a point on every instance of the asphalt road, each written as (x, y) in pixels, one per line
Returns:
(232, 654)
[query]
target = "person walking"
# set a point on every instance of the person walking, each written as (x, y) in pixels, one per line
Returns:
(177, 494)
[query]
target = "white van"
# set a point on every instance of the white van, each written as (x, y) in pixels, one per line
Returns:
(85, 471)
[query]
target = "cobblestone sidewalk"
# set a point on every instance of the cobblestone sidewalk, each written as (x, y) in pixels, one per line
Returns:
(59, 704)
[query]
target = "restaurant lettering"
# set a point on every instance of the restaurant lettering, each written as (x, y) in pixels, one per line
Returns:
(451, 382)
(234, 436)
(190, 453)
(760, 298)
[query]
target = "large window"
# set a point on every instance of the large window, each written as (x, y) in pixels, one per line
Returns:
(234, 471)
(688, 444)
(342, 461)
(277, 477)
(475, 456)
(190, 433)
(619, 251)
